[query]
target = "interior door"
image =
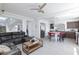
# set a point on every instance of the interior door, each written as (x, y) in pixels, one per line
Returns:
(42, 30)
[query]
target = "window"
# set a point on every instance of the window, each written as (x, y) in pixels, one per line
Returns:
(2, 24)
(2, 29)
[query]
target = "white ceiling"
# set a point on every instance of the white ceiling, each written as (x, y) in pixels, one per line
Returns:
(52, 10)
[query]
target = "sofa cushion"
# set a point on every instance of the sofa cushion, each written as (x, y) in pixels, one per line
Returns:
(4, 49)
(3, 39)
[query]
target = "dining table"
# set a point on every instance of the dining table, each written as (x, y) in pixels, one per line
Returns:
(56, 35)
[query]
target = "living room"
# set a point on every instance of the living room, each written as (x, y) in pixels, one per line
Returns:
(32, 28)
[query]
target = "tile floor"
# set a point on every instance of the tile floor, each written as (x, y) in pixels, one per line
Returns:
(67, 47)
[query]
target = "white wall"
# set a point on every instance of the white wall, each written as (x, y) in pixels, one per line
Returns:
(34, 27)
(31, 27)
(64, 21)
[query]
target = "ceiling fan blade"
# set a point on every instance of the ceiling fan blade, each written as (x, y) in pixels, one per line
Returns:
(43, 5)
(41, 11)
(34, 9)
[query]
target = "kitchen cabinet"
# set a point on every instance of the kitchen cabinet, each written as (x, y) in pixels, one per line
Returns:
(70, 35)
(74, 24)
(77, 38)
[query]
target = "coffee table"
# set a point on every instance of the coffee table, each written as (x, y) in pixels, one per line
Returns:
(29, 46)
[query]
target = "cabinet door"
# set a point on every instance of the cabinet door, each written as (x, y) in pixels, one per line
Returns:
(72, 24)
(75, 24)
(70, 35)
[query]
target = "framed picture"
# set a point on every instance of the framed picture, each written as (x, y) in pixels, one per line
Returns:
(51, 26)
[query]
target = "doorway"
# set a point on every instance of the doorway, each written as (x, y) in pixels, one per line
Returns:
(42, 30)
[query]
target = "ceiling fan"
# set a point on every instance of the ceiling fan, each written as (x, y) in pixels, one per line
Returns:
(40, 8)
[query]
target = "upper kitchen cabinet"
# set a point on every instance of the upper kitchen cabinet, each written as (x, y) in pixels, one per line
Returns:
(74, 24)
